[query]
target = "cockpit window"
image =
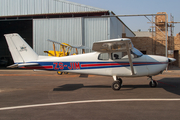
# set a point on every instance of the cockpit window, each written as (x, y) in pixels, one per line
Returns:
(103, 56)
(123, 55)
(135, 53)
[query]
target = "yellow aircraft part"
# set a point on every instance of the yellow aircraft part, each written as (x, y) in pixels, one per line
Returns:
(65, 50)
(58, 53)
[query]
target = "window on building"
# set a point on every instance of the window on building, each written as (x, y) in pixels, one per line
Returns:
(144, 52)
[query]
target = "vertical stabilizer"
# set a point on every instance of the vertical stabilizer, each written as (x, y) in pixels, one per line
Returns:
(20, 50)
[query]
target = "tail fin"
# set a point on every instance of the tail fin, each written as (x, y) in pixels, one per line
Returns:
(20, 50)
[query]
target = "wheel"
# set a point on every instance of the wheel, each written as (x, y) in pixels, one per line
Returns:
(116, 85)
(153, 83)
(65, 72)
(59, 72)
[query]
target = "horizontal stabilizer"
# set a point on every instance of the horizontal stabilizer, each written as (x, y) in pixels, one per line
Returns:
(13, 66)
(22, 65)
(28, 64)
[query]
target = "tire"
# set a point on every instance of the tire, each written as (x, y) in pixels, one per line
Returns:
(116, 85)
(153, 84)
(59, 73)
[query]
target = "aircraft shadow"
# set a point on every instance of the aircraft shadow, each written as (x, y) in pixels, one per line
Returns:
(72, 87)
(169, 84)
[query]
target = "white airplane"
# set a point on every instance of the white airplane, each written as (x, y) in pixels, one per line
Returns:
(115, 57)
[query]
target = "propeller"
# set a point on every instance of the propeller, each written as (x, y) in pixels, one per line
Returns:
(170, 60)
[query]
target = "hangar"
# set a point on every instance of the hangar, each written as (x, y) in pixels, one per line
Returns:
(62, 21)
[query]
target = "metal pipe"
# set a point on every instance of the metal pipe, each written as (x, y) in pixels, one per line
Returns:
(131, 15)
(166, 32)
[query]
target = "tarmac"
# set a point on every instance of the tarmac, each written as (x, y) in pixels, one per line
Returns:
(29, 95)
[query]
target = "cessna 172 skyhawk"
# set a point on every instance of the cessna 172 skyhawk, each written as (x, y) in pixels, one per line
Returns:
(115, 57)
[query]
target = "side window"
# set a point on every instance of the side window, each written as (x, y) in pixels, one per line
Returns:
(103, 56)
(117, 55)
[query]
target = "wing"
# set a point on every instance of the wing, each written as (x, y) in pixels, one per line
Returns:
(81, 47)
(56, 42)
(116, 45)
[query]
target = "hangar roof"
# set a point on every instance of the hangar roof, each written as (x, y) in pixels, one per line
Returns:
(54, 15)
(32, 9)
(36, 7)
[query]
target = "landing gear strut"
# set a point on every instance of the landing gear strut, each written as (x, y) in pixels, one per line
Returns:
(152, 83)
(116, 85)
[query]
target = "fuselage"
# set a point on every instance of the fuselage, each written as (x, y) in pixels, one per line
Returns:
(146, 65)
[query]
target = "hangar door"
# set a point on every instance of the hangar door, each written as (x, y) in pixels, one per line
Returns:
(22, 27)
(63, 30)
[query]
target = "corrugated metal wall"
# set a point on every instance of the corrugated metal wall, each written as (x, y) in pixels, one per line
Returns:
(95, 29)
(27, 7)
(74, 31)
(116, 28)
(67, 30)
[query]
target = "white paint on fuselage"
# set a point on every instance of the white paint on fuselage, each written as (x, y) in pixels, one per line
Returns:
(141, 70)
(156, 68)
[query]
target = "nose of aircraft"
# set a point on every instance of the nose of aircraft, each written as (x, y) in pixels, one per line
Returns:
(170, 60)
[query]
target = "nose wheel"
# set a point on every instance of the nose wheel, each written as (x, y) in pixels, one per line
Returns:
(152, 83)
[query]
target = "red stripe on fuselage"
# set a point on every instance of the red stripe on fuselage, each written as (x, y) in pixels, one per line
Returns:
(114, 64)
(103, 64)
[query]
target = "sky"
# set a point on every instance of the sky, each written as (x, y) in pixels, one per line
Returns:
(129, 7)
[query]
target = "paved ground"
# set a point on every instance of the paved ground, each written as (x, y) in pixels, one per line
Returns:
(46, 95)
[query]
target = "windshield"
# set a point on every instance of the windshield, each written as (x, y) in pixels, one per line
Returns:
(136, 52)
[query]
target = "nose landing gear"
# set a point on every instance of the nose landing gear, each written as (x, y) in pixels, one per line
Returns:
(152, 83)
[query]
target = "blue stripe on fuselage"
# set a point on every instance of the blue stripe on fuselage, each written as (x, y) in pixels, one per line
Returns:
(92, 65)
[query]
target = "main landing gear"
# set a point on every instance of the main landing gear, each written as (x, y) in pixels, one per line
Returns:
(116, 85)
(152, 83)
(60, 73)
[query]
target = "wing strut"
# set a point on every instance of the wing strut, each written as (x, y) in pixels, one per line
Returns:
(130, 57)
(54, 49)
